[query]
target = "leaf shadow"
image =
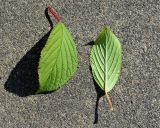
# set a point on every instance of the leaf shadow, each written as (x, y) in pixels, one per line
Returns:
(48, 18)
(23, 79)
(89, 43)
(99, 91)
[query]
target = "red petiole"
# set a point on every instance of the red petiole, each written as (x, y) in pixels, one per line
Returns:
(54, 14)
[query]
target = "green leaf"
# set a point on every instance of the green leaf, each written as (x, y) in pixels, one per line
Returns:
(58, 60)
(106, 59)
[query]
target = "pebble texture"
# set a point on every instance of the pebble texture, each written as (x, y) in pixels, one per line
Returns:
(136, 98)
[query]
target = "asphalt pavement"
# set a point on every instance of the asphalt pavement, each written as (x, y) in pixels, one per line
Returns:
(24, 29)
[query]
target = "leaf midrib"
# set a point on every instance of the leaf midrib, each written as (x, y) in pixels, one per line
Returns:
(105, 64)
(58, 52)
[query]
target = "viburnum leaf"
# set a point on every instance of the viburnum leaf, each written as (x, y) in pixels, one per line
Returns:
(58, 61)
(106, 59)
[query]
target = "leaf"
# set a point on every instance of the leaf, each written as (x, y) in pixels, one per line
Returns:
(58, 60)
(106, 60)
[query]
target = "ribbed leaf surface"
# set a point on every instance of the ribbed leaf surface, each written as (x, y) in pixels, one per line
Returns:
(106, 60)
(58, 60)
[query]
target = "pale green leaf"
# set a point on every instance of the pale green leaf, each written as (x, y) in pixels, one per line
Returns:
(106, 59)
(58, 61)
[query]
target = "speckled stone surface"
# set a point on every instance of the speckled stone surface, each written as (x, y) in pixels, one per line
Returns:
(136, 98)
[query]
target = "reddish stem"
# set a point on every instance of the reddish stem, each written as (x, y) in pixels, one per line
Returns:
(54, 14)
(109, 101)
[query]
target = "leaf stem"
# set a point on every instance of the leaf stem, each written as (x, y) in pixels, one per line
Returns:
(109, 101)
(53, 13)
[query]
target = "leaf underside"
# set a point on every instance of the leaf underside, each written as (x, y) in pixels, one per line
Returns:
(58, 60)
(106, 59)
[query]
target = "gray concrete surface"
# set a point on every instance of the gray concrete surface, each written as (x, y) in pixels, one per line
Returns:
(136, 98)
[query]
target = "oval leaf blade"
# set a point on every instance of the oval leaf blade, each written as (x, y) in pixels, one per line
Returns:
(58, 60)
(106, 60)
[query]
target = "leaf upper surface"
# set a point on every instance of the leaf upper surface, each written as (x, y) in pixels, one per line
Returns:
(58, 60)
